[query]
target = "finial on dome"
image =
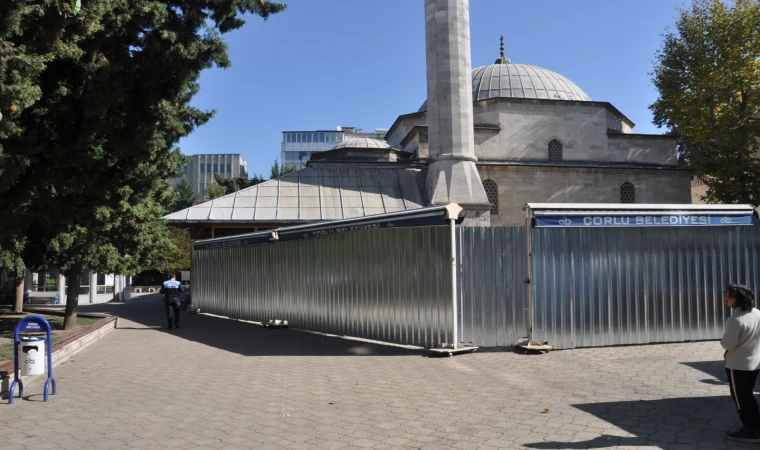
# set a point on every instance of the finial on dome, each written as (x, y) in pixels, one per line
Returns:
(502, 59)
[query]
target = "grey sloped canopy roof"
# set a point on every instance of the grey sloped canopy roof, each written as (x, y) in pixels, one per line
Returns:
(314, 194)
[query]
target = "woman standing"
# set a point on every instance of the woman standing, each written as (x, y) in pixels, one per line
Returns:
(741, 340)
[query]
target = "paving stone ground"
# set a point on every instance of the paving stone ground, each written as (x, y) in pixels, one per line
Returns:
(218, 383)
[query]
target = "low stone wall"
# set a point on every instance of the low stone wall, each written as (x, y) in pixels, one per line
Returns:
(63, 350)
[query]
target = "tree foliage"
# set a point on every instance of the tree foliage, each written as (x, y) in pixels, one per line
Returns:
(276, 171)
(215, 190)
(12, 262)
(94, 105)
(223, 186)
(75, 5)
(235, 184)
(183, 196)
(171, 253)
(708, 78)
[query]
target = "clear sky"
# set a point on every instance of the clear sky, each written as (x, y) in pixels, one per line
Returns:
(361, 63)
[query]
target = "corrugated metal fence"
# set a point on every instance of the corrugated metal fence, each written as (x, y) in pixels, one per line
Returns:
(491, 292)
(392, 285)
(602, 286)
(592, 287)
(612, 286)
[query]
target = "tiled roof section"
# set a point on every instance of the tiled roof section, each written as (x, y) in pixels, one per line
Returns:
(316, 193)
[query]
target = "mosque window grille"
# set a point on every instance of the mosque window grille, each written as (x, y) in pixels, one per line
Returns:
(627, 193)
(555, 151)
(492, 192)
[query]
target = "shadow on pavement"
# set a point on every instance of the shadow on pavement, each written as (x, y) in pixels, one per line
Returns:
(691, 421)
(716, 369)
(146, 313)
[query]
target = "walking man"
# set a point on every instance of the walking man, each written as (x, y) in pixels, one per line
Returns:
(741, 339)
(172, 290)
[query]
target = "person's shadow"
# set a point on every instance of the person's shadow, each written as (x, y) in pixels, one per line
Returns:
(690, 421)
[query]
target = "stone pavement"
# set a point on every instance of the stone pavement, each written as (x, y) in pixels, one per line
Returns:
(218, 383)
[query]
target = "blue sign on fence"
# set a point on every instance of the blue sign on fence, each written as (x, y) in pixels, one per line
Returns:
(665, 220)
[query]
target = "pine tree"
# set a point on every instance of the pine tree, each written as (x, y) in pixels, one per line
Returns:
(184, 196)
(93, 107)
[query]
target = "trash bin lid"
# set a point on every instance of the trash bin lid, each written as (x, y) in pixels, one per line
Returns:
(32, 338)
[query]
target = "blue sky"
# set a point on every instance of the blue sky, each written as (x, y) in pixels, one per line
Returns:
(361, 63)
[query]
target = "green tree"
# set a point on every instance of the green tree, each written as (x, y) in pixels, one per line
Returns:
(75, 5)
(94, 106)
(171, 254)
(183, 196)
(277, 172)
(708, 78)
(234, 184)
(215, 190)
(12, 262)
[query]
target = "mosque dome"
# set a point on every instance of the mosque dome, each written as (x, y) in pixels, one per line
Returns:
(362, 143)
(505, 79)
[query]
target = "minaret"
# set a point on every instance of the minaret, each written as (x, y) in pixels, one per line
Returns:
(452, 175)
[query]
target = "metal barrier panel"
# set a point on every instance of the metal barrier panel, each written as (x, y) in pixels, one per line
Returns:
(392, 285)
(611, 286)
(492, 295)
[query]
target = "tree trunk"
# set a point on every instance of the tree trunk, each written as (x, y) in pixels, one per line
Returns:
(18, 303)
(72, 296)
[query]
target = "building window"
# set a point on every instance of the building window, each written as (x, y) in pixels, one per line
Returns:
(492, 192)
(555, 151)
(203, 168)
(229, 168)
(627, 193)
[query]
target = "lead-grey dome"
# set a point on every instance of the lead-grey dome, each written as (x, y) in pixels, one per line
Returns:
(362, 143)
(521, 81)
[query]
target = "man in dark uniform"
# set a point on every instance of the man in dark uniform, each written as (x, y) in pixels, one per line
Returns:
(172, 290)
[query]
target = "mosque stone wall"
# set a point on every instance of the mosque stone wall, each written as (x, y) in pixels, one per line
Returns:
(644, 149)
(518, 185)
(527, 127)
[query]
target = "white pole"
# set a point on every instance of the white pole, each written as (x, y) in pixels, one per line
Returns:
(529, 269)
(93, 286)
(454, 282)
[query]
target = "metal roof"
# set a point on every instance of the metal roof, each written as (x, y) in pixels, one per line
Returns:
(431, 215)
(521, 81)
(314, 194)
(362, 143)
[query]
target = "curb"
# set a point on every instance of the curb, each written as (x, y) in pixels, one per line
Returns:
(64, 349)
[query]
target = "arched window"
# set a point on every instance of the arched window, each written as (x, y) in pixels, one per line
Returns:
(492, 192)
(555, 151)
(627, 193)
